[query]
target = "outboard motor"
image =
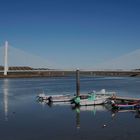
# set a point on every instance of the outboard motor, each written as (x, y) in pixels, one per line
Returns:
(50, 99)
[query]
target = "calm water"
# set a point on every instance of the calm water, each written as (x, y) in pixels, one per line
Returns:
(23, 118)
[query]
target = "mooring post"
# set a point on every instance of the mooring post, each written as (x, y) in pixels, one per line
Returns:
(77, 82)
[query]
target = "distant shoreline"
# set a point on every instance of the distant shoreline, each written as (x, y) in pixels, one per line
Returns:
(53, 73)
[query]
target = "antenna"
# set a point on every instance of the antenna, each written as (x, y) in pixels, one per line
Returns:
(6, 58)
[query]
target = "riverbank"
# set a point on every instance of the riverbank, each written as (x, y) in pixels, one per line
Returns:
(53, 73)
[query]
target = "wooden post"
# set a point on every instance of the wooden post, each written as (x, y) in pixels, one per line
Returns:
(77, 83)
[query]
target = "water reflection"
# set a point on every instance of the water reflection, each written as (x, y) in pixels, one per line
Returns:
(77, 120)
(137, 114)
(93, 109)
(33, 121)
(5, 97)
(116, 113)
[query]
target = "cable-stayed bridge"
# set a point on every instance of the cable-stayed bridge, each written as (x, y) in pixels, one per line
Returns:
(15, 62)
(18, 57)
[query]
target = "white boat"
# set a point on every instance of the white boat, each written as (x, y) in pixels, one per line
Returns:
(93, 98)
(55, 98)
(46, 102)
(89, 99)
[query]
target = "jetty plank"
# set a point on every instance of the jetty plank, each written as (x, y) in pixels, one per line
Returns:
(126, 98)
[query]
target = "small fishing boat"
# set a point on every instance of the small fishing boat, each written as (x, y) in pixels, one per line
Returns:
(51, 104)
(93, 98)
(55, 98)
(129, 105)
(125, 106)
(89, 99)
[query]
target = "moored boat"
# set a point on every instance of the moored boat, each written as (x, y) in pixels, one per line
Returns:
(89, 99)
(129, 105)
(93, 98)
(121, 106)
(55, 98)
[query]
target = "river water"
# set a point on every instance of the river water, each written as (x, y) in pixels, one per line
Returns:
(23, 118)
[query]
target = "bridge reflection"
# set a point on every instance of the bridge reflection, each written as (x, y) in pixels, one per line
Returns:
(5, 97)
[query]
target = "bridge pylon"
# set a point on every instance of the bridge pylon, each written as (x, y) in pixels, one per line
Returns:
(6, 58)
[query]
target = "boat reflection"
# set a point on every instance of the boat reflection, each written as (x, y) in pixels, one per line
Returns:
(102, 108)
(94, 109)
(137, 114)
(115, 112)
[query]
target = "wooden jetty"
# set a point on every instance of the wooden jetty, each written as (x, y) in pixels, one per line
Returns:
(123, 99)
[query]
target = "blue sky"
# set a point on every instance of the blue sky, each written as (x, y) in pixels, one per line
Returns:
(72, 33)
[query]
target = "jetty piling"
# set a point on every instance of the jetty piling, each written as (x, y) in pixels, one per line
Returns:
(77, 82)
